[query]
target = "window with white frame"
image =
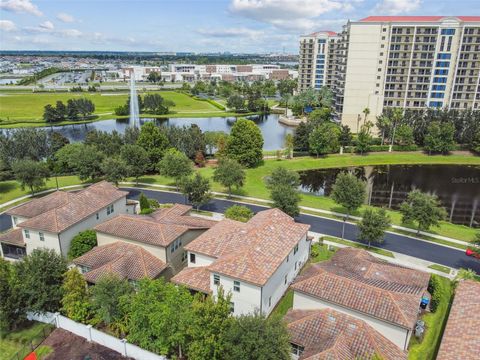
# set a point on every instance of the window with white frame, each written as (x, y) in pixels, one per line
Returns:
(236, 286)
(83, 269)
(232, 307)
(175, 245)
(41, 236)
(216, 279)
(192, 258)
(110, 209)
(15, 220)
(27, 233)
(295, 249)
(297, 349)
(285, 280)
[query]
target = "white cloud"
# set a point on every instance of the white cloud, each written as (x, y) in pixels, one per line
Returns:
(230, 32)
(7, 25)
(47, 25)
(289, 14)
(70, 33)
(66, 18)
(20, 6)
(395, 7)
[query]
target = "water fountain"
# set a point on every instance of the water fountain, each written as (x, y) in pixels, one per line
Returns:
(134, 110)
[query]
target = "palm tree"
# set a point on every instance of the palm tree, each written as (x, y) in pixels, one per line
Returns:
(366, 112)
(396, 118)
(383, 122)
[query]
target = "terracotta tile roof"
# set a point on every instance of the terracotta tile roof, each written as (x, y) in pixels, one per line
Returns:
(122, 259)
(41, 205)
(461, 339)
(329, 334)
(195, 278)
(250, 251)
(13, 237)
(161, 229)
(79, 206)
(417, 18)
(357, 280)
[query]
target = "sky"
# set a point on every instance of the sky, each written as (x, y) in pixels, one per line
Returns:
(237, 26)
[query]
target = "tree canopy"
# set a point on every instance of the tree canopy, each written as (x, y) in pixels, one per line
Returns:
(229, 173)
(245, 143)
(423, 209)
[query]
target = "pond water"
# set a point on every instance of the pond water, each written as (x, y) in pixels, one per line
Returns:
(273, 132)
(458, 187)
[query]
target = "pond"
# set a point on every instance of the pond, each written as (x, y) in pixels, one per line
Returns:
(457, 186)
(273, 132)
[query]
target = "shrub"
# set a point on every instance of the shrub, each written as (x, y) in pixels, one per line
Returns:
(239, 213)
(144, 203)
(82, 243)
(146, 211)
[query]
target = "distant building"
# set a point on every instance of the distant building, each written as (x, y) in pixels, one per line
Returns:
(353, 282)
(53, 220)
(254, 261)
(410, 62)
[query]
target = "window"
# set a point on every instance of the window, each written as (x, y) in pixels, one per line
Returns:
(236, 286)
(110, 209)
(184, 256)
(288, 257)
(176, 244)
(285, 280)
(448, 32)
(41, 236)
(297, 349)
(232, 307)
(97, 216)
(216, 279)
(27, 234)
(436, 104)
(441, 72)
(440, 80)
(14, 220)
(295, 249)
(83, 269)
(192, 258)
(443, 64)
(269, 301)
(444, 56)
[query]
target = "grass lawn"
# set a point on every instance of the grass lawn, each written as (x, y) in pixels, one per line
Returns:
(255, 184)
(26, 109)
(360, 246)
(32, 333)
(441, 268)
(427, 348)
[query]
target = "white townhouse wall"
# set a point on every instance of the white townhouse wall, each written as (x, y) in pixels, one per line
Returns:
(278, 284)
(17, 220)
(38, 239)
(252, 297)
(398, 335)
(197, 259)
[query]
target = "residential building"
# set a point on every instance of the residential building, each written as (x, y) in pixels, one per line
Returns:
(410, 62)
(330, 334)
(135, 246)
(317, 60)
(460, 339)
(254, 261)
(384, 295)
(53, 220)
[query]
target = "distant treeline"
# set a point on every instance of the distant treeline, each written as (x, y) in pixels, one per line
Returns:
(75, 109)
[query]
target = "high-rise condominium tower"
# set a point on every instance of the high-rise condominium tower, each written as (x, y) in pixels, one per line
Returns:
(410, 62)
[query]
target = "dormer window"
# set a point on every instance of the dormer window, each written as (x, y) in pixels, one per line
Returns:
(26, 233)
(216, 279)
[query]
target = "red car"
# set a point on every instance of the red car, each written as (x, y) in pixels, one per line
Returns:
(475, 254)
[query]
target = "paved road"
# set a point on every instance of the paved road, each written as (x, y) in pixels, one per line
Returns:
(393, 242)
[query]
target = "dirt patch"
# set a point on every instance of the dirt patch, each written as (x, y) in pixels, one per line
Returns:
(68, 346)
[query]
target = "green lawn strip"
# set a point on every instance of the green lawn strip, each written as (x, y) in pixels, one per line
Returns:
(285, 303)
(23, 339)
(441, 268)
(320, 252)
(43, 351)
(360, 246)
(202, 212)
(427, 348)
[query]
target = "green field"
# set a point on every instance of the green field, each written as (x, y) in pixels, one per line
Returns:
(26, 109)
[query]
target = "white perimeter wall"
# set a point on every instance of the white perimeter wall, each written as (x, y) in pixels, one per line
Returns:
(399, 336)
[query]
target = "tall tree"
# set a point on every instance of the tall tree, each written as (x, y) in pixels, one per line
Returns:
(422, 209)
(282, 176)
(211, 320)
(324, 139)
(160, 314)
(440, 138)
(364, 139)
(154, 141)
(229, 173)
(115, 169)
(289, 144)
(405, 135)
(106, 297)
(373, 226)
(31, 174)
(136, 159)
(236, 102)
(349, 192)
(75, 301)
(256, 337)
(245, 143)
(12, 309)
(197, 190)
(175, 164)
(345, 137)
(283, 185)
(86, 162)
(40, 278)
